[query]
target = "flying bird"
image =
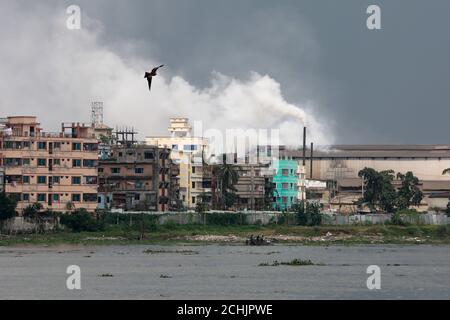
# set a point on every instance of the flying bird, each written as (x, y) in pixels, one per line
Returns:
(150, 75)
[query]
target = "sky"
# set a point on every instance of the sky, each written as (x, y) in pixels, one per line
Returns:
(234, 64)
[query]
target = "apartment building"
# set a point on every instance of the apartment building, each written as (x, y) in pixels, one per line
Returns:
(138, 177)
(186, 151)
(286, 180)
(56, 169)
(250, 187)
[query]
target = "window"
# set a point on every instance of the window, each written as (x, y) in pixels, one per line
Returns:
(284, 199)
(56, 145)
(41, 179)
(57, 162)
(56, 180)
(285, 172)
(89, 197)
(42, 145)
(115, 170)
(76, 180)
(26, 179)
(76, 197)
(25, 197)
(76, 163)
(137, 196)
(193, 200)
(76, 146)
(100, 170)
(190, 147)
(41, 197)
(89, 163)
(42, 162)
(174, 147)
(56, 197)
(13, 162)
(149, 155)
(138, 170)
(193, 169)
(90, 180)
(26, 162)
(285, 185)
(90, 147)
(193, 184)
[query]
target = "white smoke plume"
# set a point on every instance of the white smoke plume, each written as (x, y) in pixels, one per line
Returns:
(55, 73)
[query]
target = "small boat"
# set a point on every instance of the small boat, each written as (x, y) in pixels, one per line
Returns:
(258, 241)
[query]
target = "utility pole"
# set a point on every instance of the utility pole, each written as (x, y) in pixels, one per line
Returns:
(311, 162)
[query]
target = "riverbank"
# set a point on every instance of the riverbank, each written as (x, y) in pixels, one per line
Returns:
(200, 234)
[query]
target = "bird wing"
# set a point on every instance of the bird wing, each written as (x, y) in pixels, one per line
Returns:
(156, 69)
(149, 79)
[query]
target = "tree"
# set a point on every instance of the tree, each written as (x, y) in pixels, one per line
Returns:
(378, 190)
(80, 220)
(269, 190)
(230, 199)
(409, 193)
(308, 215)
(225, 177)
(446, 171)
(202, 204)
(32, 214)
(7, 209)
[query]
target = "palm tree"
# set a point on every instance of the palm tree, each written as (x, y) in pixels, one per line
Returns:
(446, 171)
(225, 176)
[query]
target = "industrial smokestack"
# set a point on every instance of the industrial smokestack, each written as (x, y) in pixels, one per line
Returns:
(304, 146)
(311, 161)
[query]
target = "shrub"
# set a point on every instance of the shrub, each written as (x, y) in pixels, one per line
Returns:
(309, 216)
(80, 220)
(443, 231)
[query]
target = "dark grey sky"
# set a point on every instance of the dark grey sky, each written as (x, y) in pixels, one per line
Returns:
(385, 86)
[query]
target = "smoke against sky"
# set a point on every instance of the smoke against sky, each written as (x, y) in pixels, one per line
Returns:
(55, 73)
(365, 87)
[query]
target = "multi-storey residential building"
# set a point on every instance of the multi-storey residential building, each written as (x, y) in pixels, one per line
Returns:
(286, 183)
(138, 177)
(186, 151)
(58, 170)
(250, 187)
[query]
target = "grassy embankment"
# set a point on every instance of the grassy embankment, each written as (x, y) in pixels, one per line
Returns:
(236, 234)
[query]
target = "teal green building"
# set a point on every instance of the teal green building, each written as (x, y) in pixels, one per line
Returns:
(285, 180)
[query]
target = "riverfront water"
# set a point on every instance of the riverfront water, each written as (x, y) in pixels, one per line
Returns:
(224, 272)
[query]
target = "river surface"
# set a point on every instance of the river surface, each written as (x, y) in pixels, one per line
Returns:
(224, 272)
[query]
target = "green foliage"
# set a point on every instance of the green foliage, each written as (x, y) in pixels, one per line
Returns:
(397, 220)
(202, 204)
(309, 214)
(378, 189)
(81, 220)
(7, 207)
(443, 231)
(31, 212)
(409, 193)
(230, 199)
(269, 189)
(447, 211)
(224, 219)
(380, 193)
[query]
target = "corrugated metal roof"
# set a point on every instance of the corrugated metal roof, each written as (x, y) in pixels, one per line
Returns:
(374, 151)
